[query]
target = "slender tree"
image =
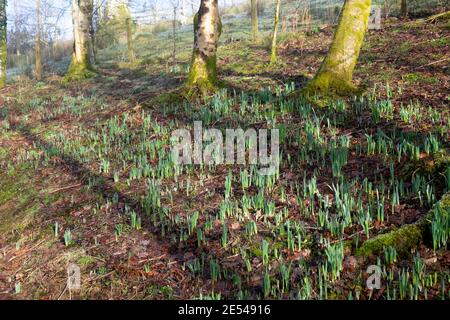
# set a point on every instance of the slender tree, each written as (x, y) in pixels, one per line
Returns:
(403, 8)
(336, 72)
(276, 21)
(124, 15)
(202, 77)
(93, 27)
(81, 66)
(254, 15)
(38, 69)
(3, 48)
(131, 55)
(175, 5)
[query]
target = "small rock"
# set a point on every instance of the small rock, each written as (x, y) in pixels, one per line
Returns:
(430, 261)
(188, 256)
(235, 225)
(351, 263)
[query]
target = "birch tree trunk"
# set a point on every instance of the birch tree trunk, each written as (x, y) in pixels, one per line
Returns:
(38, 52)
(81, 67)
(273, 56)
(202, 77)
(3, 48)
(254, 13)
(336, 72)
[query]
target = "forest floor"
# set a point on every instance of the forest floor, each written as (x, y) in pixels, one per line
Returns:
(87, 178)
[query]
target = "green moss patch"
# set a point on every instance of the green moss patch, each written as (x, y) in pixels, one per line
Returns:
(18, 202)
(406, 237)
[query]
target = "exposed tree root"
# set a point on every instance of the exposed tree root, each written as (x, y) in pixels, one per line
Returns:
(406, 237)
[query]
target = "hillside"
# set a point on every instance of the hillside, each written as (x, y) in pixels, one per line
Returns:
(88, 179)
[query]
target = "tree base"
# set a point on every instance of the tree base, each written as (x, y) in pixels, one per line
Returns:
(79, 71)
(199, 89)
(330, 84)
(202, 80)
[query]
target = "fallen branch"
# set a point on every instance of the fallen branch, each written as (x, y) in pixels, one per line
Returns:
(439, 16)
(433, 63)
(405, 238)
(65, 188)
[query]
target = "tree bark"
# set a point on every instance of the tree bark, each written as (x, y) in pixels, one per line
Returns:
(336, 72)
(81, 66)
(131, 55)
(202, 77)
(93, 44)
(273, 56)
(254, 13)
(403, 8)
(38, 52)
(174, 34)
(3, 48)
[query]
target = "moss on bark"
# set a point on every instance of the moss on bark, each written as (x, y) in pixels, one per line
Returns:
(202, 78)
(81, 67)
(406, 237)
(79, 71)
(336, 72)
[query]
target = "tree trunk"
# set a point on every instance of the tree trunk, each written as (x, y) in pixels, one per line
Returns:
(202, 77)
(131, 55)
(254, 13)
(38, 52)
(273, 56)
(174, 34)
(336, 72)
(403, 8)
(93, 44)
(81, 67)
(3, 48)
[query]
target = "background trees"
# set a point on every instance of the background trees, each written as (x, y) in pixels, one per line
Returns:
(38, 69)
(3, 48)
(404, 8)
(276, 21)
(254, 16)
(122, 25)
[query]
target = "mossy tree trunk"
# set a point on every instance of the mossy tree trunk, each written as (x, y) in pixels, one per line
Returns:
(403, 8)
(81, 67)
(38, 69)
(202, 77)
(273, 56)
(408, 236)
(336, 72)
(3, 48)
(254, 15)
